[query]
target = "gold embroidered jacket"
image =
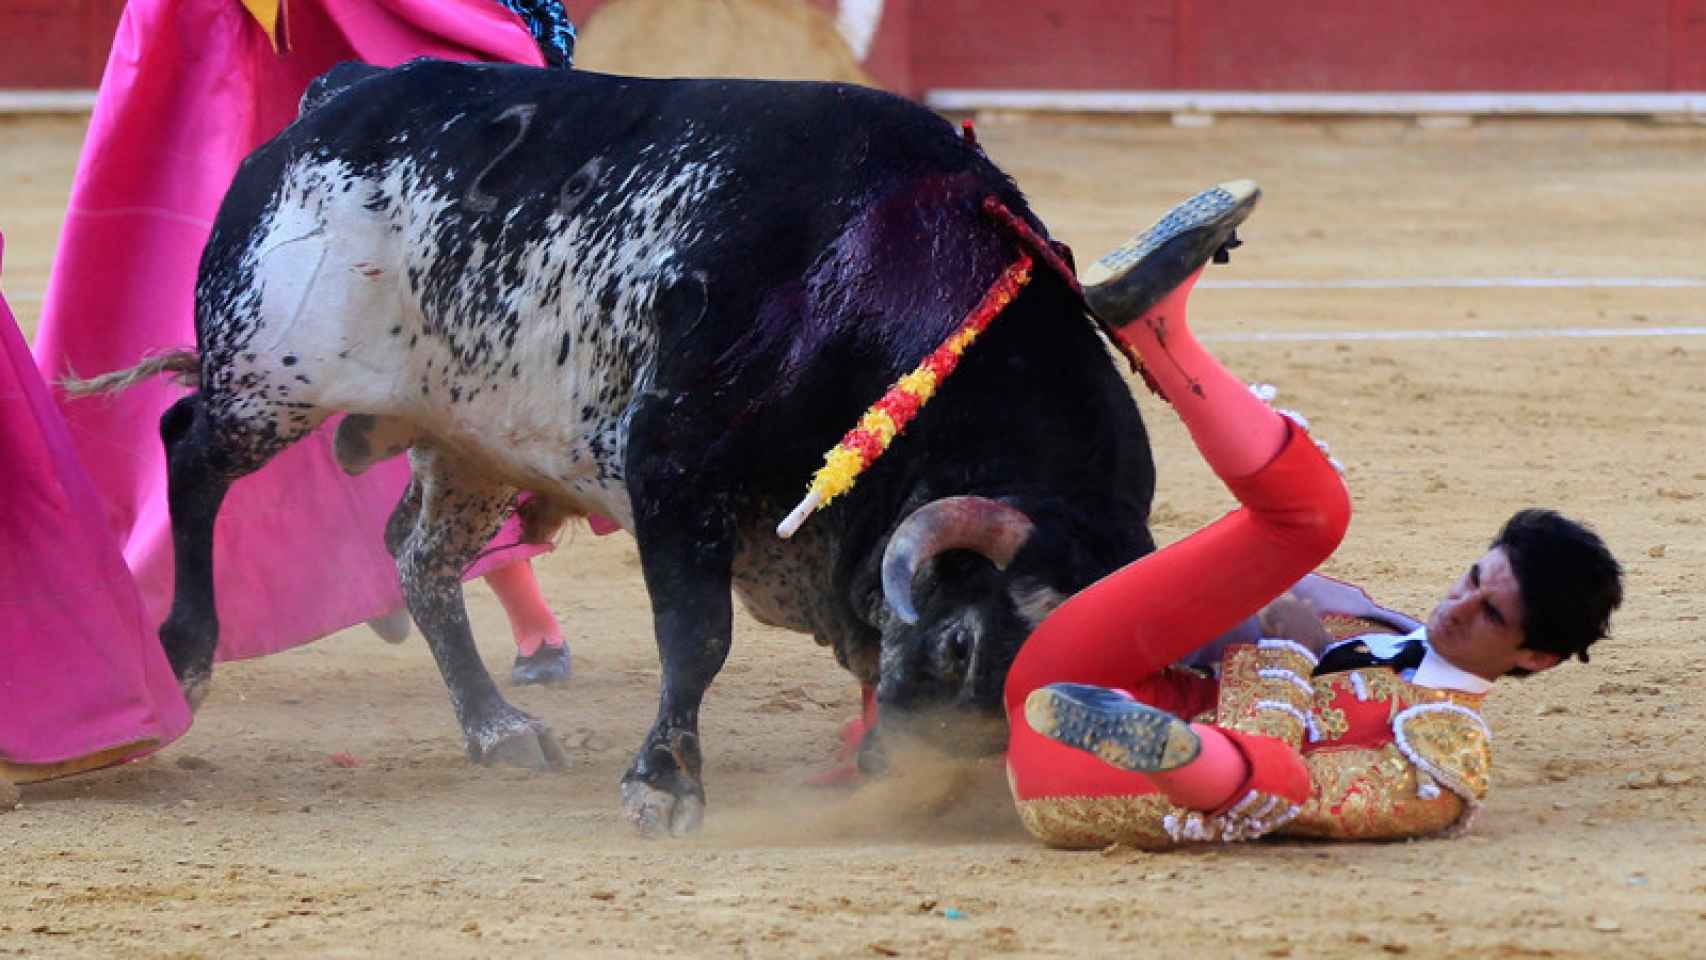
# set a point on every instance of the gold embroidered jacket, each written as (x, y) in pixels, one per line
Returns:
(1361, 755)
(1386, 759)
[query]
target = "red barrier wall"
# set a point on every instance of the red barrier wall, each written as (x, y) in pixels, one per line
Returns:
(1688, 45)
(1318, 46)
(1053, 44)
(55, 43)
(1440, 45)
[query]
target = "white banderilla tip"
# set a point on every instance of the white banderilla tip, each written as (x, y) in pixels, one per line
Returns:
(792, 522)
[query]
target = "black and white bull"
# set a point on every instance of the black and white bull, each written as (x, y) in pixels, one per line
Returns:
(661, 301)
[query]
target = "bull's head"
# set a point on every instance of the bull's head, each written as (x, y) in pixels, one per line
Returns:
(955, 610)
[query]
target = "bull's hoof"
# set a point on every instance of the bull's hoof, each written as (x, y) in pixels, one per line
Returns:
(658, 812)
(195, 686)
(528, 744)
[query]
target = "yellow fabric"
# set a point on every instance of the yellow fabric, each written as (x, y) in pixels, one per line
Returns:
(961, 340)
(36, 772)
(270, 15)
(835, 477)
(921, 383)
(879, 424)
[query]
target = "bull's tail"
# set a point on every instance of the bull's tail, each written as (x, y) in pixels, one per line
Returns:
(183, 365)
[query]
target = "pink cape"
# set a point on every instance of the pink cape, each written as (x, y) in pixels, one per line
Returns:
(191, 87)
(83, 681)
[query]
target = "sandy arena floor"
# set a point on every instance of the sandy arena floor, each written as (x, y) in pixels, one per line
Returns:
(244, 839)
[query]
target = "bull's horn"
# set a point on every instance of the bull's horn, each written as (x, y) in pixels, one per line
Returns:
(990, 527)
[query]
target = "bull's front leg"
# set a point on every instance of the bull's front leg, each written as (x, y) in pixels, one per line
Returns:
(460, 510)
(686, 551)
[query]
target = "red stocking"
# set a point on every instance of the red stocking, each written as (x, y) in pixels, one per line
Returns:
(530, 618)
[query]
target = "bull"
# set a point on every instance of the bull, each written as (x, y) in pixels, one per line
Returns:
(661, 300)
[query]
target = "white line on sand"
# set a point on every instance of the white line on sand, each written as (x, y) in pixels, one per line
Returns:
(1353, 336)
(1462, 283)
(1470, 103)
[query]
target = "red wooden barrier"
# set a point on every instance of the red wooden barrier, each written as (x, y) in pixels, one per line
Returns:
(55, 43)
(1318, 46)
(1052, 44)
(1440, 45)
(1688, 45)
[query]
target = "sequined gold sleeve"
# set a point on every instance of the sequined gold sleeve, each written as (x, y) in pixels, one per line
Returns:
(1265, 689)
(1429, 781)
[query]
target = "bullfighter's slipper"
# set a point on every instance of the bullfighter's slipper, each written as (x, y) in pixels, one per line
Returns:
(549, 665)
(1110, 724)
(1133, 277)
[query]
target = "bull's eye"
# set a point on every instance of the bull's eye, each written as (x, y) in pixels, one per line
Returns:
(959, 644)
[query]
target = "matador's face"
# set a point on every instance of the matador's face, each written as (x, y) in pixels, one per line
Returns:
(1478, 626)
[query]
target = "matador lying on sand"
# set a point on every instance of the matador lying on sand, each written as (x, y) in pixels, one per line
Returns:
(1341, 720)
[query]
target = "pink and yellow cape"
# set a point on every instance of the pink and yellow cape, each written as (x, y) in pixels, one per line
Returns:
(83, 682)
(191, 87)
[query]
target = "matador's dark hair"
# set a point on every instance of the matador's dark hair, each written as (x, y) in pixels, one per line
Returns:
(1570, 582)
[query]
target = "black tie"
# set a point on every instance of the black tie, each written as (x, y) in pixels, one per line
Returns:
(1356, 655)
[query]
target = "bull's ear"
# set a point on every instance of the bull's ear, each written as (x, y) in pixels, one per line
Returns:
(865, 592)
(870, 605)
(1033, 600)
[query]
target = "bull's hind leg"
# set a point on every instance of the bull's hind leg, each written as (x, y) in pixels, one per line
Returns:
(204, 456)
(459, 510)
(403, 518)
(363, 440)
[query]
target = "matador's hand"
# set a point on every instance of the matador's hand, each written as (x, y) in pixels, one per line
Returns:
(1290, 617)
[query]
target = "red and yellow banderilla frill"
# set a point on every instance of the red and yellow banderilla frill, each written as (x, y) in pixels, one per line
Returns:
(889, 416)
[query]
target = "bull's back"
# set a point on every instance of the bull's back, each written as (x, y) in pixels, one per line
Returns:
(504, 252)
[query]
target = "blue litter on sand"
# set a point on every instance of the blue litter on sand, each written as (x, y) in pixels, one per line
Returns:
(953, 913)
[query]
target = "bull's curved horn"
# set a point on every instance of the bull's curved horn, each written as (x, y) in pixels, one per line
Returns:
(990, 527)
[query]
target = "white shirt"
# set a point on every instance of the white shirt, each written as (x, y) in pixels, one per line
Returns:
(1435, 672)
